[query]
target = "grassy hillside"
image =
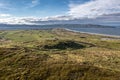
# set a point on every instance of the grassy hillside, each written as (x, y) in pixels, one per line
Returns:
(58, 55)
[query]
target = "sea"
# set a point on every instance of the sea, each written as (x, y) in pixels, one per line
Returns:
(106, 30)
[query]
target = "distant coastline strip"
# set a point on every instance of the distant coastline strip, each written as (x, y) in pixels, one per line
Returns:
(116, 36)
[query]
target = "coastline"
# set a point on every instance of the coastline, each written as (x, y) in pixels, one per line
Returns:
(99, 34)
(106, 35)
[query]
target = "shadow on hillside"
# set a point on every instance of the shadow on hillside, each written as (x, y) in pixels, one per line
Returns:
(62, 45)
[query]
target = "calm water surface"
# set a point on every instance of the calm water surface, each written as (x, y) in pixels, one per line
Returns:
(107, 31)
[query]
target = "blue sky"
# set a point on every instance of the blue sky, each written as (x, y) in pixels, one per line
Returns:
(39, 8)
(19, 11)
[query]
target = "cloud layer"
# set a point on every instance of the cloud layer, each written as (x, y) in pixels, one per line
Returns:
(112, 19)
(94, 8)
(94, 11)
(32, 20)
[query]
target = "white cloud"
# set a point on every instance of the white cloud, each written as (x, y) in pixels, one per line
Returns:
(94, 8)
(4, 15)
(113, 18)
(16, 20)
(34, 3)
(32, 20)
(57, 17)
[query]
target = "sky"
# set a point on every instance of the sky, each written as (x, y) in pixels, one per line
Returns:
(75, 11)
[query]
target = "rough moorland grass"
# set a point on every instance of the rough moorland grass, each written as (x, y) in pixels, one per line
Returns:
(58, 55)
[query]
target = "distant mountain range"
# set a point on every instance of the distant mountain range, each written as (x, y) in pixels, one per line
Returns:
(59, 25)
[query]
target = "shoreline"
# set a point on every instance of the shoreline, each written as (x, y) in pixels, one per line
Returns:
(106, 35)
(115, 36)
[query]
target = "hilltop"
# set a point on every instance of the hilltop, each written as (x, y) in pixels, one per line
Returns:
(58, 54)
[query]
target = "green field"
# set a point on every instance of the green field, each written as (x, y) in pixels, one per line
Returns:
(58, 54)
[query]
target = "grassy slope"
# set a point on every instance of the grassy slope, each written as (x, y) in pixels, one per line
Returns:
(58, 55)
